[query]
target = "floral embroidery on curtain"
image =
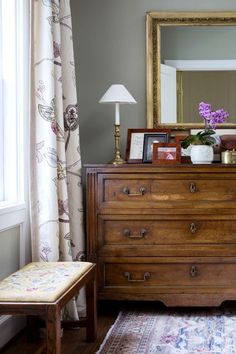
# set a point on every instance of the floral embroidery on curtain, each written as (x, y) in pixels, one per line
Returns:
(56, 190)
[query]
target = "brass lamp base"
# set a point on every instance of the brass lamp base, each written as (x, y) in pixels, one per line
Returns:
(118, 159)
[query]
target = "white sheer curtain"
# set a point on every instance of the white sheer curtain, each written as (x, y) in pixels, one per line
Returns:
(56, 191)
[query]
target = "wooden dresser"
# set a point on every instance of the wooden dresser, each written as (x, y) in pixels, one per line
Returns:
(163, 233)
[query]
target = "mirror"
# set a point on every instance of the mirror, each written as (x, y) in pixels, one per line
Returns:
(191, 57)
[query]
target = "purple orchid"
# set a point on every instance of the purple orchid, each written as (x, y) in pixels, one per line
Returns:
(212, 118)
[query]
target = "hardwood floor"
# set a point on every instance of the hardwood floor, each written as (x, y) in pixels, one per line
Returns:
(73, 341)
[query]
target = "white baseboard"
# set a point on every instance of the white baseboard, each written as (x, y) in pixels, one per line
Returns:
(9, 327)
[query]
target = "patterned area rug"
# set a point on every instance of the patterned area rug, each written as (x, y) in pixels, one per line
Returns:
(172, 332)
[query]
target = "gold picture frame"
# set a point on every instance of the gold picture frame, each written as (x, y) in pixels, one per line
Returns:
(154, 22)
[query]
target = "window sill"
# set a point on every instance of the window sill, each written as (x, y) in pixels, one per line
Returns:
(6, 207)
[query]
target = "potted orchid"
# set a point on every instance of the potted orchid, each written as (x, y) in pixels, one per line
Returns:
(202, 142)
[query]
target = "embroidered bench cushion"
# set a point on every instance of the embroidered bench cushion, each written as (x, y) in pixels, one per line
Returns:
(41, 281)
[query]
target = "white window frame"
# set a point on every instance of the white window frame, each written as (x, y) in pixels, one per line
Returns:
(14, 210)
(13, 89)
(1, 119)
(1, 134)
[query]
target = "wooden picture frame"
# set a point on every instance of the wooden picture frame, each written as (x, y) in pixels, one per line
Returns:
(180, 138)
(184, 153)
(149, 140)
(135, 141)
(166, 153)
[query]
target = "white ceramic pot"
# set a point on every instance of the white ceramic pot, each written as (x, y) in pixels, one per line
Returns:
(202, 154)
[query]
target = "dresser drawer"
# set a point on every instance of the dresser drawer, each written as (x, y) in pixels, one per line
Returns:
(168, 190)
(169, 274)
(126, 230)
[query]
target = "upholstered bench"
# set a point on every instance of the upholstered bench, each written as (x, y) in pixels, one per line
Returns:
(43, 288)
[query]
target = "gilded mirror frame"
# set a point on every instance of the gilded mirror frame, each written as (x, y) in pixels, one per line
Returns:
(154, 22)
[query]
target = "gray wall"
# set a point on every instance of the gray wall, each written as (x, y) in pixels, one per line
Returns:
(9, 251)
(109, 47)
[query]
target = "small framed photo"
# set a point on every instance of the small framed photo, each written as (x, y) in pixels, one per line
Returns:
(135, 143)
(149, 140)
(164, 153)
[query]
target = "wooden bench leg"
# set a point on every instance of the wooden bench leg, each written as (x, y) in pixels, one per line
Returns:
(91, 308)
(53, 329)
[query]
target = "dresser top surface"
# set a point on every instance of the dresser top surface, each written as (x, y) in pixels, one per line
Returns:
(154, 168)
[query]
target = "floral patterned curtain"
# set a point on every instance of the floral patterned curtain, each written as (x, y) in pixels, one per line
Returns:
(56, 191)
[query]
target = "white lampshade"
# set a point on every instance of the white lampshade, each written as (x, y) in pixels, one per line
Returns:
(117, 94)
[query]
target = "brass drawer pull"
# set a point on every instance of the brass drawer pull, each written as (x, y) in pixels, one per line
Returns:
(193, 271)
(127, 233)
(193, 227)
(146, 275)
(192, 187)
(126, 190)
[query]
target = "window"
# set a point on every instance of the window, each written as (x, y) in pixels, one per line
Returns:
(14, 145)
(14, 118)
(13, 81)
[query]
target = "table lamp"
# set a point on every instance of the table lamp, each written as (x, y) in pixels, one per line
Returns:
(117, 94)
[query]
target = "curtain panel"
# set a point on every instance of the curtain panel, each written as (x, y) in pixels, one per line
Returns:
(56, 190)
